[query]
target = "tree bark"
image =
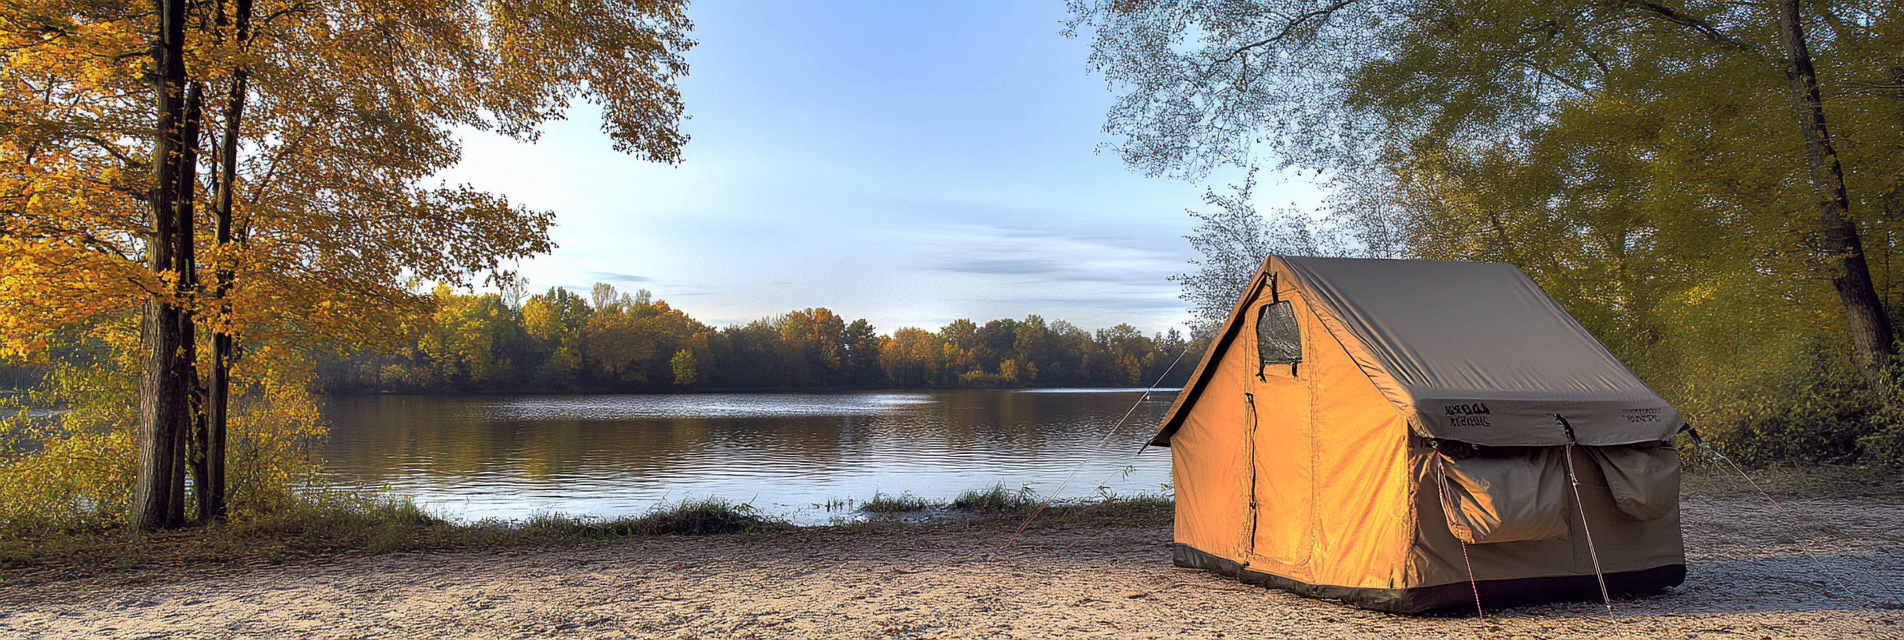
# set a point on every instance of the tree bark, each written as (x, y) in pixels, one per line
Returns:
(1870, 325)
(162, 391)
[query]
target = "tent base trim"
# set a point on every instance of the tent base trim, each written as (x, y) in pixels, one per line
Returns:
(1451, 597)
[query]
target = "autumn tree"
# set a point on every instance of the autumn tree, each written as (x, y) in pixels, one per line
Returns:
(860, 357)
(637, 340)
(554, 321)
(814, 343)
(913, 357)
(330, 117)
(469, 339)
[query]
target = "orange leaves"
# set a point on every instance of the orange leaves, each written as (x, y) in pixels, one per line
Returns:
(349, 106)
(47, 284)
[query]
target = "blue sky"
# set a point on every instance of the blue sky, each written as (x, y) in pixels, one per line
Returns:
(905, 162)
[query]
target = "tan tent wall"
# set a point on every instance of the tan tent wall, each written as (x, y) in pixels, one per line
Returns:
(1210, 473)
(1211, 465)
(1333, 484)
(1331, 479)
(1286, 462)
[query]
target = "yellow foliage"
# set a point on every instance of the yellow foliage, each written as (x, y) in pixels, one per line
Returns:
(72, 455)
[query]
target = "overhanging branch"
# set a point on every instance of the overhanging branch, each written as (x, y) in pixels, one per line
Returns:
(1698, 25)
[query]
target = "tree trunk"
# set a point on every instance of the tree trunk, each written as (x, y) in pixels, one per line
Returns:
(218, 410)
(187, 255)
(1897, 86)
(1870, 326)
(162, 391)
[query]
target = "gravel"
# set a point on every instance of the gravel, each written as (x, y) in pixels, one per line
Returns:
(1752, 574)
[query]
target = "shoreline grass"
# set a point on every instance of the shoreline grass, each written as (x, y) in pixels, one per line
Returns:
(339, 524)
(330, 526)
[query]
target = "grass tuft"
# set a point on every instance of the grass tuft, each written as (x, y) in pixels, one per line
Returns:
(997, 499)
(702, 517)
(705, 517)
(902, 503)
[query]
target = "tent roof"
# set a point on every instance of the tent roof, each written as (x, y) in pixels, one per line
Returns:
(1468, 351)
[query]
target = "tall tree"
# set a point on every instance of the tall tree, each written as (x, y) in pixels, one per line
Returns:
(224, 343)
(336, 114)
(164, 393)
(1850, 273)
(1417, 109)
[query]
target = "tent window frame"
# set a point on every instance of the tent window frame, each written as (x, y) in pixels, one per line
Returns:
(1278, 335)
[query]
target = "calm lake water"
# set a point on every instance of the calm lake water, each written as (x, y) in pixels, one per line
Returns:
(787, 454)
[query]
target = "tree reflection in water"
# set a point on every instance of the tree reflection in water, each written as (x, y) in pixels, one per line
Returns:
(474, 457)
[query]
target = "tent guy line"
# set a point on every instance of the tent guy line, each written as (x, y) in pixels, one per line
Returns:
(1094, 451)
(1574, 480)
(1441, 485)
(1714, 454)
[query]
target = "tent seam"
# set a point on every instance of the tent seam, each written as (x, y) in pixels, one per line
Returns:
(1330, 328)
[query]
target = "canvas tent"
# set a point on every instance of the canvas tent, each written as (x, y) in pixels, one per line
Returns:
(1367, 430)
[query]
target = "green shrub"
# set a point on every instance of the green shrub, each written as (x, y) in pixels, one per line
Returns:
(1816, 410)
(76, 467)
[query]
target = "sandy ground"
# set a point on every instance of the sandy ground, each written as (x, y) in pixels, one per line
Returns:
(1750, 578)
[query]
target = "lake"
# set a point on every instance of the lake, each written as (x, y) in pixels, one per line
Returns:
(787, 454)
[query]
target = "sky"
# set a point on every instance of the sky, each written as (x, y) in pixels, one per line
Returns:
(909, 163)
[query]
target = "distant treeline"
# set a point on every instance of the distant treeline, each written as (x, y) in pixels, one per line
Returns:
(612, 341)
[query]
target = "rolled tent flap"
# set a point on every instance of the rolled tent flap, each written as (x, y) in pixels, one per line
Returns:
(1505, 496)
(1644, 480)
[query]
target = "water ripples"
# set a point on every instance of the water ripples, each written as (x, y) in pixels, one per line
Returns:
(511, 457)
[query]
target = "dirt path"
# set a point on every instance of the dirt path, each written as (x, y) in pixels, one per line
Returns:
(1749, 579)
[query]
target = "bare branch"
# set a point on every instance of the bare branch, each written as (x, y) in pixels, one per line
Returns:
(1288, 28)
(1702, 27)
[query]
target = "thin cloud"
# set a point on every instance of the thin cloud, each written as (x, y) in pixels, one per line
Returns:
(1005, 267)
(1049, 254)
(610, 276)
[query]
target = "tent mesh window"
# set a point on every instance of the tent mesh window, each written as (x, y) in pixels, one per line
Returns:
(1278, 341)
